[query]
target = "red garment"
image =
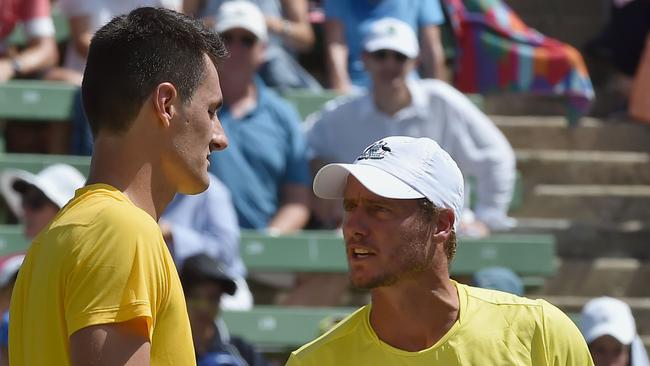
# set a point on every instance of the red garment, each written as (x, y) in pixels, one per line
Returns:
(20, 11)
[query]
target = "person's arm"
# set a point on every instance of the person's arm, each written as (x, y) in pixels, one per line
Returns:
(432, 54)
(125, 343)
(293, 213)
(336, 50)
(80, 34)
(295, 29)
(40, 54)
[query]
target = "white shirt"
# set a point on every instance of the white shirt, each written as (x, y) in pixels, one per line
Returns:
(347, 125)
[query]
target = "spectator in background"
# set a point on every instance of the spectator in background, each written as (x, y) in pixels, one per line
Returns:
(206, 223)
(346, 21)
(610, 331)
(289, 31)
(204, 283)
(265, 167)
(40, 52)
(417, 108)
(36, 198)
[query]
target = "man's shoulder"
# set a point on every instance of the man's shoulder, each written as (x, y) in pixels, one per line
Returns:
(339, 335)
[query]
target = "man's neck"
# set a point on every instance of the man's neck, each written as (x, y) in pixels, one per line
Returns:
(390, 98)
(240, 95)
(412, 316)
(126, 167)
(203, 337)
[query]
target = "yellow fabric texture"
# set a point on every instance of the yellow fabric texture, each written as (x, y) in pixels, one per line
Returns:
(101, 260)
(494, 328)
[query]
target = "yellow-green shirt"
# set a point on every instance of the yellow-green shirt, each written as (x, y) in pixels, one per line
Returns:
(101, 260)
(493, 328)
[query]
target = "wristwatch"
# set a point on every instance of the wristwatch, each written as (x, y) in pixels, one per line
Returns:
(18, 68)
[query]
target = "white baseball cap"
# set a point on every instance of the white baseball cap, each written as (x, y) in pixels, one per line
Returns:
(607, 316)
(391, 34)
(399, 167)
(241, 14)
(58, 183)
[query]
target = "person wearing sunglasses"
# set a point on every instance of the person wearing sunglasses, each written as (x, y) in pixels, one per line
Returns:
(265, 167)
(398, 104)
(36, 198)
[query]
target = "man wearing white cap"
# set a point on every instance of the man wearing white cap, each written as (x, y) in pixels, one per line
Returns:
(399, 105)
(266, 167)
(402, 199)
(36, 198)
(610, 331)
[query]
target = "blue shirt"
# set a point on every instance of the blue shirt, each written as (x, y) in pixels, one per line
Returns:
(266, 150)
(356, 15)
(206, 223)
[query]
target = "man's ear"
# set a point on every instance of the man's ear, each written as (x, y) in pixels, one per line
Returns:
(444, 225)
(164, 97)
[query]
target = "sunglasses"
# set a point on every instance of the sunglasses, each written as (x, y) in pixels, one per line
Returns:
(34, 199)
(382, 55)
(248, 41)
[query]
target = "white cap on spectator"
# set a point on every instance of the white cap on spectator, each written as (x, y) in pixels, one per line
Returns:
(399, 167)
(9, 266)
(58, 183)
(607, 316)
(391, 34)
(241, 14)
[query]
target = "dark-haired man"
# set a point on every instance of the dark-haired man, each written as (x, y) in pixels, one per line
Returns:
(98, 285)
(403, 198)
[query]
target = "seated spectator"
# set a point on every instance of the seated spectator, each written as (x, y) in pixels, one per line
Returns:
(9, 267)
(204, 282)
(40, 52)
(499, 278)
(265, 166)
(498, 52)
(397, 105)
(36, 198)
(206, 223)
(289, 31)
(346, 20)
(610, 331)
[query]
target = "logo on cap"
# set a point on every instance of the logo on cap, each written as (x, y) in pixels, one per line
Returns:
(375, 151)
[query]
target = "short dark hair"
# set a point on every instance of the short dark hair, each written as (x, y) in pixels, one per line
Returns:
(132, 54)
(430, 211)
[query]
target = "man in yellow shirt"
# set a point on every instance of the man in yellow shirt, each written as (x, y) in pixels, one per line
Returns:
(402, 200)
(98, 285)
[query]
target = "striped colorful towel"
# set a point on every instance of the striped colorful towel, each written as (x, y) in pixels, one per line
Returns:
(499, 53)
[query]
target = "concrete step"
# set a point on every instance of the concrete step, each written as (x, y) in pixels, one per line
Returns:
(552, 133)
(590, 240)
(589, 203)
(583, 167)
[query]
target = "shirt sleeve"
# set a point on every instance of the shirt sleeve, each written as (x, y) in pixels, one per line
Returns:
(333, 9)
(297, 166)
(35, 16)
(430, 13)
(481, 151)
(216, 233)
(565, 345)
(120, 279)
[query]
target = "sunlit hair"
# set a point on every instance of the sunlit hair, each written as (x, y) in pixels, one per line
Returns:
(431, 212)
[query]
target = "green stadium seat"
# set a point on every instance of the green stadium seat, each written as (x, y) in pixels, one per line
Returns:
(36, 100)
(36, 162)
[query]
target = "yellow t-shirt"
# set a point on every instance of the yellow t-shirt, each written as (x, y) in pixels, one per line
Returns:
(101, 260)
(493, 328)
